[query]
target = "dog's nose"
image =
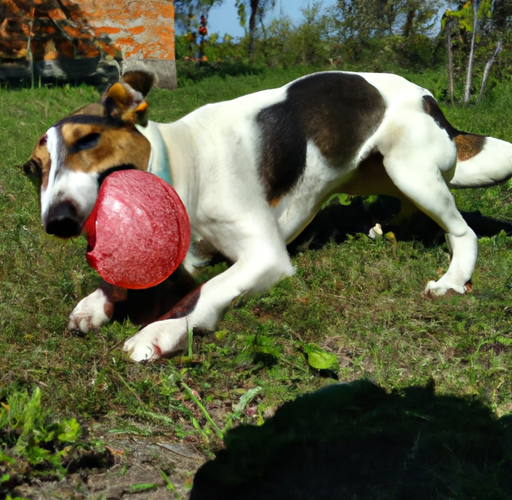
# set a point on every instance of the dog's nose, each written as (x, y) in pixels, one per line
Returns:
(63, 221)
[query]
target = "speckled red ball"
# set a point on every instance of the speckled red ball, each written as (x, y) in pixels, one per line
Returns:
(138, 232)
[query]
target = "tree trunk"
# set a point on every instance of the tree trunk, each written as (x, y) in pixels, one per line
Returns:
(252, 28)
(409, 23)
(449, 62)
(488, 70)
(469, 76)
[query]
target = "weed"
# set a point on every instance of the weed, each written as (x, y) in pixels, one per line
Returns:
(32, 442)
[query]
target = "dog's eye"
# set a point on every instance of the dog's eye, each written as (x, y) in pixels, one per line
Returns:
(88, 141)
(43, 140)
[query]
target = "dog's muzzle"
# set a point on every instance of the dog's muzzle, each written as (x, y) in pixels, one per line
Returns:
(63, 220)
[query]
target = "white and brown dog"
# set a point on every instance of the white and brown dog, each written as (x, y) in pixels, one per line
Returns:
(252, 173)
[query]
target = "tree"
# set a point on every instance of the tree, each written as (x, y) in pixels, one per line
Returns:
(188, 11)
(191, 17)
(478, 23)
(365, 19)
(257, 11)
(502, 15)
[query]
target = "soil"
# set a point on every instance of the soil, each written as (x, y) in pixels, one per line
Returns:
(135, 465)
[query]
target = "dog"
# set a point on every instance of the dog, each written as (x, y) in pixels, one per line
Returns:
(253, 172)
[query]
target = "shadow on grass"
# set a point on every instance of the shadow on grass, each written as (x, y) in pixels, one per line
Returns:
(355, 441)
(336, 222)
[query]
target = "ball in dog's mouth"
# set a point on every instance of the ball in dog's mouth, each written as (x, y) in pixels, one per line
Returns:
(138, 232)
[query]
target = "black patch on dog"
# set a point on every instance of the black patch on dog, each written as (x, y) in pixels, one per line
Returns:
(432, 108)
(82, 120)
(125, 166)
(337, 111)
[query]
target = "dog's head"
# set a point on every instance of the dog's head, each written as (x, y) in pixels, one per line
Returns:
(73, 157)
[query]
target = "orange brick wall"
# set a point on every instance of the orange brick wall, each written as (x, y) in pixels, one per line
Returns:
(87, 39)
(140, 29)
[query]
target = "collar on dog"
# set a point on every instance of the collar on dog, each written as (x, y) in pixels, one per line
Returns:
(158, 161)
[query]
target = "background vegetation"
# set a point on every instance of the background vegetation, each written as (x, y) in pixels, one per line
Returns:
(353, 310)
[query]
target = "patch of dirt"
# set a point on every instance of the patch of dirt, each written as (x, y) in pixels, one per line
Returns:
(135, 473)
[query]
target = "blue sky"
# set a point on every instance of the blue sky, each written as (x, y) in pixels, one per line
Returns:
(224, 19)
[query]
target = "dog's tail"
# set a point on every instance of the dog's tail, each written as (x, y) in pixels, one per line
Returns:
(482, 161)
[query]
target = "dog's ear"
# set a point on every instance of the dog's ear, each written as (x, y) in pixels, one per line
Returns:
(38, 163)
(140, 81)
(32, 169)
(125, 100)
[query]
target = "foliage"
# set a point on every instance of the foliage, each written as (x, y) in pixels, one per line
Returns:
(32, 442)
(381, 35)
(493, 22)
(282, 44)
(188, 11)
(362, 19)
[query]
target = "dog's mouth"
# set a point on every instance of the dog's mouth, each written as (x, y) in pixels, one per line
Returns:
(103, 175)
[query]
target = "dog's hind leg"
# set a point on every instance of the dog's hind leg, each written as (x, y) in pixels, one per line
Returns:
(419, 178)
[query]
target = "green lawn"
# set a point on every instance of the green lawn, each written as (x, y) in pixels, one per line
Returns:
(361, 301)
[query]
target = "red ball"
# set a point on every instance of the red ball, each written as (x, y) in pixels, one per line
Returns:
(138, 232)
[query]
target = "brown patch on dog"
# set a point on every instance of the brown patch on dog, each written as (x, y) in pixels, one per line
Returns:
(115, 146)
(94, 109)
(338, 111)
(72, 132)
(38, 166)
(370, 178)
(125, 104)
(114, 294)
(432, 108)
(469, 145)
(144, 306)
(185, 306)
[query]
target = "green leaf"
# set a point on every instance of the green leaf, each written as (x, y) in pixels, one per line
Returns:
(320, 359)
(136, 488)
(504, 340)
(344, 199)
(222, 333)
(247, 398)
(240, 5)
(70, 430)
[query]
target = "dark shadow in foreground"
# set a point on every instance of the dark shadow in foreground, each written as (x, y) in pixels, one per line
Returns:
(356, 442)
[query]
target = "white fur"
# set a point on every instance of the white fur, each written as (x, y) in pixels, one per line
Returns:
(65, 184)
(89, 313)
(490, 167)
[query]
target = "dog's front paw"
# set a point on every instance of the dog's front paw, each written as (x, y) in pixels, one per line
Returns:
(90, 313)
(436, 289)
(158, 339)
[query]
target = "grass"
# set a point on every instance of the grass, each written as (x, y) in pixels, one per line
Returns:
(360, 301)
